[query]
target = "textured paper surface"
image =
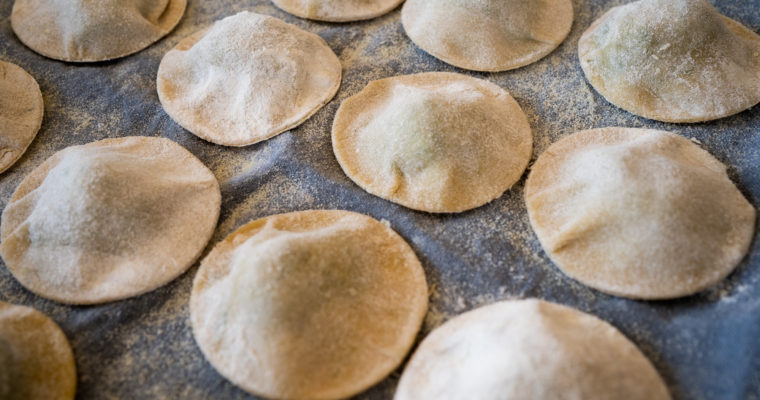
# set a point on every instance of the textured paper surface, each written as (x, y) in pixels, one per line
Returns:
(706, 346)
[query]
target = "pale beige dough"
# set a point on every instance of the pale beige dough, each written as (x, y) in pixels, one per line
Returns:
(308, 305)
(672, 60)
(638, 213)
(36, 361)
(109, 220)
(528, 349)
(21, 110)
(487, 35)
(436, 141)
(93, 30)
(337, 10)
(247, 78)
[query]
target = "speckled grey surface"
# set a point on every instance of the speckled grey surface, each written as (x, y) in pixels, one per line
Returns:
(706, 346)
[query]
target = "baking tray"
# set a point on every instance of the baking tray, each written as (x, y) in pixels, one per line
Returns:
(706, 346)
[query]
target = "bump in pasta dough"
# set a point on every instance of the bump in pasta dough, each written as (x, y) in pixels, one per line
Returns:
(436, 142)
(93, 30)
(337, 10)
(638, 213)
(308, 305)
(109, 220)
(247, 78)
(21, 110)
(36, 361)
(488, 35)
(528, 349)
(672, 60)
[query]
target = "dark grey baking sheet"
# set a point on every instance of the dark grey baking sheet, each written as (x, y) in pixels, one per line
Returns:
(706, 346)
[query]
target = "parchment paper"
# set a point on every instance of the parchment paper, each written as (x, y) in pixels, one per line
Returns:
(706, 346)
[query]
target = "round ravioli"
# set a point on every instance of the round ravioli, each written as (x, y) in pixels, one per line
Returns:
(308, 305)
(638, 213)
(436, 142)
(528, 349)
(21, 110)
(109, 220)
(93, 30)
(672, 60)
(36, 361)
(246, 79)
(337, 10)
(487, 35)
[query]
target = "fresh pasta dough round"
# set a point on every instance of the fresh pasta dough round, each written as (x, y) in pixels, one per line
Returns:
(247, 78)
(21, 110)
(487, 35)
(93, 30)
(528, 349)
(36, 361)
(638, 213)
(310, 304)
(109, 220)
(337, 10)
(436, 141)
(672, 60)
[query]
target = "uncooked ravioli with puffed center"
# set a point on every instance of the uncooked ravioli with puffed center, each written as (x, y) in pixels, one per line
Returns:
(487, 35)
(436, 141)
(528, 349)
(308, 305)
(93, 30)
(109, 220)
(638, 213)
(337, 10)
(672, 60)
(36, 361)
(21, 110)
(247, 78)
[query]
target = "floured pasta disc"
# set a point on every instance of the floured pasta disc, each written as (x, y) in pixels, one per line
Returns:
(436, 141)
(638, 213)
(308, 305)
(672, 60)
(109, 220)
(528, 349)
(337, 10)
(487, 35)
(21, 110)
(36, 361)
(93, 30)
(246, 79)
